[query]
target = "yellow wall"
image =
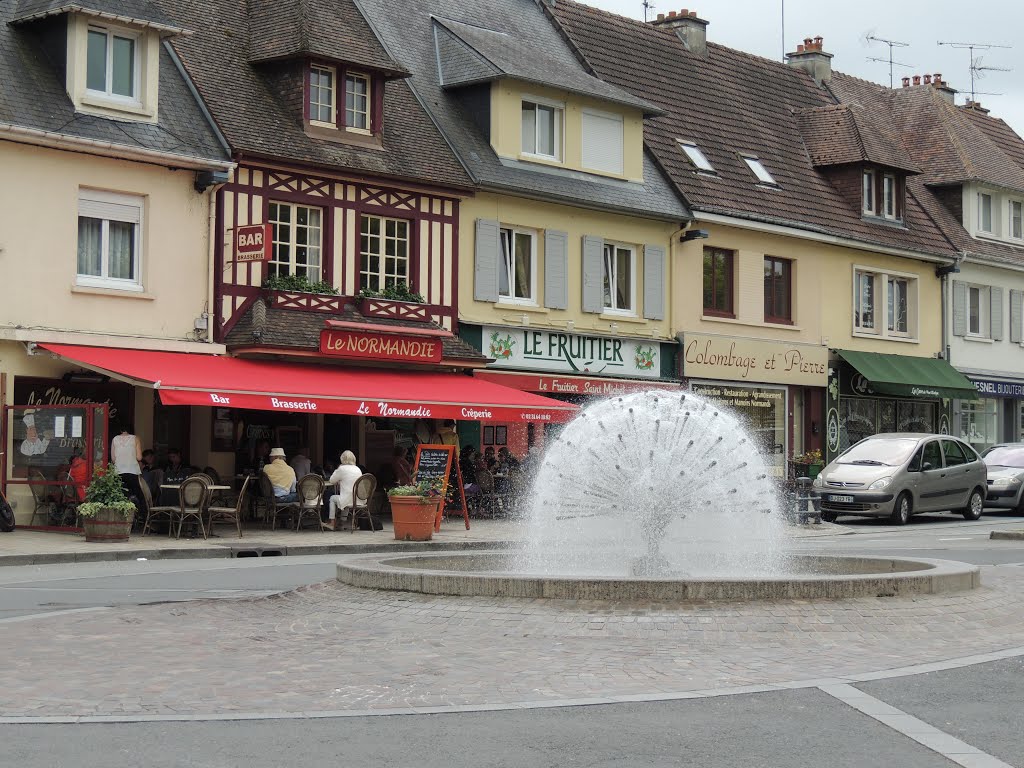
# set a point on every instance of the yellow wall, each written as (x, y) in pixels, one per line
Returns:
(39, 241)
(506, 126)
(577, 222)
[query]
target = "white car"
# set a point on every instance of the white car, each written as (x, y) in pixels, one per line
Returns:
(1005, 476)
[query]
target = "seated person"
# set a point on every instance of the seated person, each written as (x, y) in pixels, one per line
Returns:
(401, 467)
(174, 473)
(469, 463)
(489, 460)
(345, 477)
(301, 464)
(506, 460)
(151, 475)
(282, 477)
(78, 472)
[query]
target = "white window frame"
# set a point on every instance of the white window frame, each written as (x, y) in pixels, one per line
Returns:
(368, 112)
(508, 263)
(97, 204)
(758, 169)
(890, 304)
(559, 128)
(1009, 228)
(867, 191)
(613, 117)
(696, 156)
(614, 310)
(292, 241)
(332, 105)
(982, 196)
(108, 94)
(381, 275)
(889, 194)
(984, 294)
(880, 311)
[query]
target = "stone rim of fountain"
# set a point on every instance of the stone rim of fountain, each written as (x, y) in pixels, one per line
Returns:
(888, 577)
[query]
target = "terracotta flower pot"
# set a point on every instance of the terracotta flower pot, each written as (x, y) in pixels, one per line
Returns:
(413, 517)
(107, 525)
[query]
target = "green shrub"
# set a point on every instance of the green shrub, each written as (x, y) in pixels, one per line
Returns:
(106, 492)
(298, 284)
(397, 292)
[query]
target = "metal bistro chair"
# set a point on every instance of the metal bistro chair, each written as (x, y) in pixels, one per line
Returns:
(362, 492)
(487, 496)
(153, 513)
(193, 495)
(67, 507)
(275, 508)
(230, 514)
(41, 497)
(310, 489)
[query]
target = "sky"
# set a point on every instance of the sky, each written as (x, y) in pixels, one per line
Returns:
(755, 26)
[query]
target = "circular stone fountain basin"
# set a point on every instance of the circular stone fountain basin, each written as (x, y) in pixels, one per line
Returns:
(808, 577)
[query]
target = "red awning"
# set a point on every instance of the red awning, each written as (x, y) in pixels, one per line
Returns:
(231, 382)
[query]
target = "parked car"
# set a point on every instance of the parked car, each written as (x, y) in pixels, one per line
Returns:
(899, 474)
(1005, 465)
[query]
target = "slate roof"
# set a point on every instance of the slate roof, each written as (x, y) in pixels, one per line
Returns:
(845, 133)
(260, 118)
(732, 103)
(298, 329)
(33, 96)
(314, 28)
(467, 54)
(406, 28)
(141, 12)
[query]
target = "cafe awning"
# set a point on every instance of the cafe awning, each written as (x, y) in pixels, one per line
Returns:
(231, 382)
(902, 376)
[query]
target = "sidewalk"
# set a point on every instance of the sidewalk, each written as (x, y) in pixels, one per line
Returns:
(37, 548)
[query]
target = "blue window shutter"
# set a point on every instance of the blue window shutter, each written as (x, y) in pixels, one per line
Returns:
(654, 282)
(959, 308)
(488, 256)
(593, 273)
(995, 304)
(556, 269)
(1015, 316)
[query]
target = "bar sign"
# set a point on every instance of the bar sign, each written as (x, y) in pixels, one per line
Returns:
(252, 242)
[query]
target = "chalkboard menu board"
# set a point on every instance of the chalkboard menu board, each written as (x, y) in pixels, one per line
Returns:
(438, 462)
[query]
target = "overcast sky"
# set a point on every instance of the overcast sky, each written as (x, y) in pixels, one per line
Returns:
(755, 26)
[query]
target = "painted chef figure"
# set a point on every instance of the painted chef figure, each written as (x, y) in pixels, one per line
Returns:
(33, 445)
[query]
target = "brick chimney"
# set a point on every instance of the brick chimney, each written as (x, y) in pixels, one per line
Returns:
(691, 29)
(946, 91)
(976, 106)
(812, 58)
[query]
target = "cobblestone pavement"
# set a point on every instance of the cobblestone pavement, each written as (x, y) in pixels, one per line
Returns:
(335, 648)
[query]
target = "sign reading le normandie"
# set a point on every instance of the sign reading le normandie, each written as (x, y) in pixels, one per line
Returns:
(367, 344)
(751, 360)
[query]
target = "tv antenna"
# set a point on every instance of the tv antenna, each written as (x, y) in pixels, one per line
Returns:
(978, 69)
(872, 38)
(648, 7)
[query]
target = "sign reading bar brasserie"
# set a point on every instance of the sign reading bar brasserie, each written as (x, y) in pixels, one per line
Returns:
(361, 345)
(770, 362)
(571, 353)
(252, 242)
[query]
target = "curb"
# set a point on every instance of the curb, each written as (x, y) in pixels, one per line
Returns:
(1007, 535)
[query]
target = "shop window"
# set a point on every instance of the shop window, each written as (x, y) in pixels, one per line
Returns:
(778, 290)
(718, 282)
(763, 412)
(109, 240)
(518, 268)
(619, 278)
(542, 129)
(297, 239)
(384, 253)
(979, 421)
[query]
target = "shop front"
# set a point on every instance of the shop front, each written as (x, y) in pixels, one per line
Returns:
(776, 388)
(997, 416)
(869, 393)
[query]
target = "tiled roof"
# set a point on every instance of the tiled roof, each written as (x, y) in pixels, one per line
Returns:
(407, 30)
(142, 12)
(33, 96)
(301, 330)
(846, 133)
(260, 117)
(468, 53)
(314, 28)
(731, 103)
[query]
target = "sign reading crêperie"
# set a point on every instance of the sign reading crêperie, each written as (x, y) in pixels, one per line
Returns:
(733, 359)
(252, 242)
(358, 344)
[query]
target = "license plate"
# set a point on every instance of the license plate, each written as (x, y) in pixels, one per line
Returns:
(841, 499)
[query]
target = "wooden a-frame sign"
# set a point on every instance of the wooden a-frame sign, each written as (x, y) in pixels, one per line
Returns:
(438, 462)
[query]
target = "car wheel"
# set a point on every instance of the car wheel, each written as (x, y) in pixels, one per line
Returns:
(902, 509)
(829, 517)
(975, 506)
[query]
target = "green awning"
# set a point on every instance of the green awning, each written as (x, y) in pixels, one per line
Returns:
(924, 377)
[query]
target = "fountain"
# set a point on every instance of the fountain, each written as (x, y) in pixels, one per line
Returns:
(655, 497)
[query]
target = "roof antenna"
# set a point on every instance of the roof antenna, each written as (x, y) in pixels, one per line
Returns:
(648, 7)
(871, 38)
(977, 69)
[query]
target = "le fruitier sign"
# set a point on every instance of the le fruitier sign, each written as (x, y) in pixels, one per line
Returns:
(362, 345)
(571, 353)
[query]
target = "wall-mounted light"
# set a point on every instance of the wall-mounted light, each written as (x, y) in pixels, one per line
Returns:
(694, 234)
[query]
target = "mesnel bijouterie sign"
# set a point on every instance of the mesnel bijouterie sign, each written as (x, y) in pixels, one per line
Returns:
(768, 362)
(577, 353)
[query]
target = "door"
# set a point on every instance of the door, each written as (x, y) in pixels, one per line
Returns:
(961, 473)
(932, 486)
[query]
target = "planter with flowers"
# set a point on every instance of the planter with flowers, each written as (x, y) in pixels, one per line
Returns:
(413, 510)
(808, 464)
(107, 512)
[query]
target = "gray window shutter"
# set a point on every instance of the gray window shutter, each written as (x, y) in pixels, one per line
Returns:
(654, 282)
(959, 308)
(995, 304)
(593, 273)
(556, 269)
(488, 257)
(1015, 316)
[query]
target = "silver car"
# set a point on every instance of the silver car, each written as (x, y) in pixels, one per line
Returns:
(1005, 476)
(899, 474)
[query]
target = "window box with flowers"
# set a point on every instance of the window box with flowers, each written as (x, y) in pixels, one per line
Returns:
(808, 464)
(395, 302)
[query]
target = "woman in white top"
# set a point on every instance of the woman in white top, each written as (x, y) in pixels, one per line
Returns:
(125, 455)
(345, 476)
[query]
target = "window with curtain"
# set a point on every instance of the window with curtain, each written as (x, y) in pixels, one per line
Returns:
(384, 253)
(542, 130)
(618, 277)
(898, 306)
(517, 268)
(778, 290)
(864, 301)
(718, 282)
(297, 238)
(109, 228)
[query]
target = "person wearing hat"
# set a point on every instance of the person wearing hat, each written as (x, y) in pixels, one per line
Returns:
(281, 476)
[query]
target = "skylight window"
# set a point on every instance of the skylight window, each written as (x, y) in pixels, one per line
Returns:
(697, 157)
(759, 170)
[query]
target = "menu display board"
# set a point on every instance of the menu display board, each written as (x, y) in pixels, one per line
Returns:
(438, 462)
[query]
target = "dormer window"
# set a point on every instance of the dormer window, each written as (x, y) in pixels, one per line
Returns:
(882, 194)
(698, 158)
(340, 100)
(112, 65)
(321, 95)
(985, 212)
(357, 102)
(889, 196)
(868, 190)
(758, 169)
(542, 130)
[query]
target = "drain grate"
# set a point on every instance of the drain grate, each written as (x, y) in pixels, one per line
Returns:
(257, 549)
